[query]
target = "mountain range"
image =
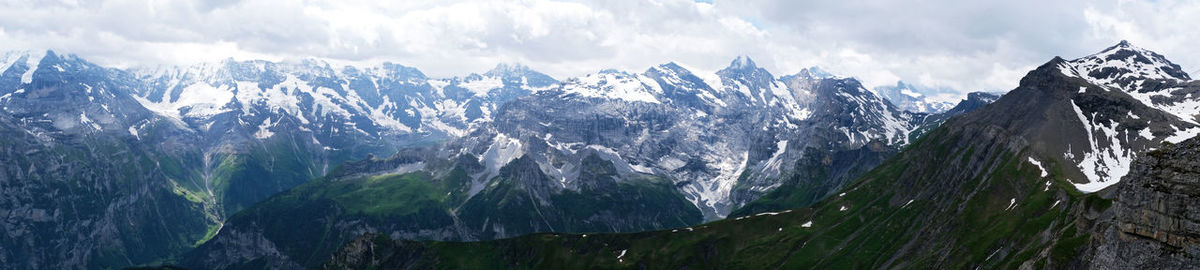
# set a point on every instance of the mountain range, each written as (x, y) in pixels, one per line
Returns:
(607, 152)
(299, 164)
(1087, 164)
(118, 167)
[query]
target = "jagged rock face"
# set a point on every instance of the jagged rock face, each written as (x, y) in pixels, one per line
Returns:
(1155, 214)
(724, 140)
(63, 93)
(90, 179)
(845, 106)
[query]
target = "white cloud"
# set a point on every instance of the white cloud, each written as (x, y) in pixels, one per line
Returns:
(963, 45)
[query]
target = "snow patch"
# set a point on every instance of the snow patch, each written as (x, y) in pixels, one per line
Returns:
(1103, 165)
(83, 119)
(716, 190)
(133, 131)
(1181, 135)
(483, 86)
(774, 164)
(1186, 108)
(32, 60)
(642, 169)
(613, 85)
(910, 93)
(197, 100)
(1145, 133)
(502, 151)
(1039, 165)
(771, 213)
(264, 130)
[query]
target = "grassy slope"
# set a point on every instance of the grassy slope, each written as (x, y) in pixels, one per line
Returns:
(304, 221)
(311, 221)
(636, 203)
(814, 180)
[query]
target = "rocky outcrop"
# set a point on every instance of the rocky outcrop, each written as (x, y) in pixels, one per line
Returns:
(1156, 214)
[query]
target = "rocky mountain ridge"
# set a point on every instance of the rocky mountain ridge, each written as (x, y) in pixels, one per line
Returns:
(198, 144)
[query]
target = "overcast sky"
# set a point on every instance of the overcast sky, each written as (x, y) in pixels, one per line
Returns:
(966, 45)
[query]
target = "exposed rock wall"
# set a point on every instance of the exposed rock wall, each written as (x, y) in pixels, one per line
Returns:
(1155, 214)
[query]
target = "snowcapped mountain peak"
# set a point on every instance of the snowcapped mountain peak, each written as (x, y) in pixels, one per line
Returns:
(309, 62)
(27, 59)
(612, 71)
(1126, 67)
(1147, 76)
(742, 62)
(508, 69)
(682, 86)
(743, 68)
(1129, 101)
(908, 89)
(516, 74)
(12, 57)
(307, 66)
(909, 97)
(985, 97)
(52, 93)
(753, 83)
(669, 67)
(671, 72)
(614, 84)
(815, 72)
(59, 62)
(401, 71)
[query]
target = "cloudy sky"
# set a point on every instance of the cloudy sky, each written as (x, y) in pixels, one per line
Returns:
(966, 45)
